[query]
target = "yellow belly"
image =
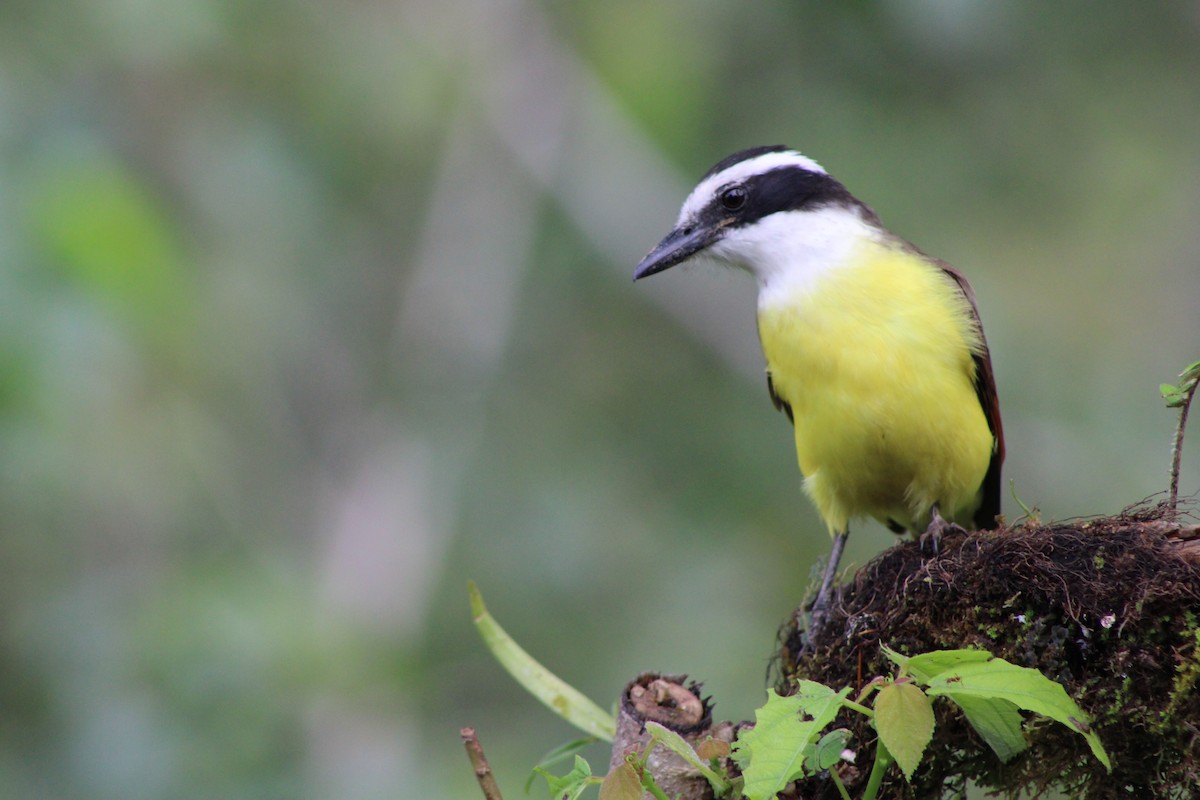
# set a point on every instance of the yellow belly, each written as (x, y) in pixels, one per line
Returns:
(875, 360)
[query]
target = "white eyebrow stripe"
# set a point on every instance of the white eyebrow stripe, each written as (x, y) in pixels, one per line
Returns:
(704, 191)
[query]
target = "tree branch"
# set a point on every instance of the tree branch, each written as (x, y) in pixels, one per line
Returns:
(479, 762)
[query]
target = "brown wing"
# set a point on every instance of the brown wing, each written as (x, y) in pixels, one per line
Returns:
(985, 389)
(780, 403)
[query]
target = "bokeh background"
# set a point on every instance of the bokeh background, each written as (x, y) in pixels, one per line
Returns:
(309, 312)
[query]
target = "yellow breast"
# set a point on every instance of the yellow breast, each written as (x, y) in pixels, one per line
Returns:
(875, 359)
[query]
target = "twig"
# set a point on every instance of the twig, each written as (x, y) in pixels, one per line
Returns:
(1177, 450)
(483, 770)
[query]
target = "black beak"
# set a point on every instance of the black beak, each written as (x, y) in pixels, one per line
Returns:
(678, 246)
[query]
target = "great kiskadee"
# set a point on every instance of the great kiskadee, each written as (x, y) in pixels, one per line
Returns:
(874, 350)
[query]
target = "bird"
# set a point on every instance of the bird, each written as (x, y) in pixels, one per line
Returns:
(874, 350)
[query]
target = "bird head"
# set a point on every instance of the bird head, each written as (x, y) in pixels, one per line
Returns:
(764, 210)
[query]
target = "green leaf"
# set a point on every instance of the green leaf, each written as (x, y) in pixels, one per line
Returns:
(904, 719)
(621, 783)
(926, 666)
(562, 698)
(571, 785)
(819, 701)
(899, 659)
(772, 754)
(997, 721)
(1026, 688)
(557, 755)
(107, 230)
(676, 744)
(1190, 375)
(828, 750)
(1174, 395)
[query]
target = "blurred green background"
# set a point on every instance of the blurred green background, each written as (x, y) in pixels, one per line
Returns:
(311, 311)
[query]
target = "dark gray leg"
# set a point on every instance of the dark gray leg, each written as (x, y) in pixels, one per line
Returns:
(821, 605)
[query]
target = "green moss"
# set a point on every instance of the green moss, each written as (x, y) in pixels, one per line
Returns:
(1107, 609)
(1187, 673)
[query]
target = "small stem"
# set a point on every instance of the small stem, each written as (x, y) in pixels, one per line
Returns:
(1177, 449)
(841, 787)
(483, 770)
(883, 760)
(650, 786)
(850, 704)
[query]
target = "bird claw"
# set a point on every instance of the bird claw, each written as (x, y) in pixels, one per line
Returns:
(930, 541)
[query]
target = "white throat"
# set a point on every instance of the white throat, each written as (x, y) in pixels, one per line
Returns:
(790, 251)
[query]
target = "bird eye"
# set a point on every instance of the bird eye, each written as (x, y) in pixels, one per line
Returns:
(733, 198)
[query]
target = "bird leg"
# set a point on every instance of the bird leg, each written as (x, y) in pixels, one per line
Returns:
(931, 539)
(821, 605)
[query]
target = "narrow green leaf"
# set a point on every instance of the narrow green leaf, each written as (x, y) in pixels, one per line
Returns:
(997, 721)
(904, 719)
(621, 783)
(1026, 688)
(828, 751)
(678, 745)
(772, 754)
(559, 696)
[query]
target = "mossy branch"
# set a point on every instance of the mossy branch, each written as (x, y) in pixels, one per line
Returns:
(1105, 607)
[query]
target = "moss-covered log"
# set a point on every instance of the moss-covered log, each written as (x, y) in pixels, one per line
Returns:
(1109, 608)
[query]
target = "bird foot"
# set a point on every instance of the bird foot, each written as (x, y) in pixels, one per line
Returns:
(810, 620)
(931, 540)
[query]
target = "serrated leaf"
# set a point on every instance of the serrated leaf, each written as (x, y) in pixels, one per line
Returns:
(899, 659)
(1026, 688)
(772, 754)
(678, 745)
(926, 666)
(558, 695)
(997, 721)
(816, 699)
(828, 751)
(904, 719)
(571, 785)
(621, 783)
